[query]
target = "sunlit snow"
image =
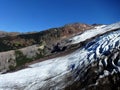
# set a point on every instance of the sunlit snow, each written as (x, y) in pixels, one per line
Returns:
(52, 74)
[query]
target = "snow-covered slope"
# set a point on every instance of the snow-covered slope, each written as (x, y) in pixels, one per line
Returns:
(94, 32)
(58, 73)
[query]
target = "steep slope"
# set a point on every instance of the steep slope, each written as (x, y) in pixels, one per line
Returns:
(49, 37)
(86, 68)
(17, 50)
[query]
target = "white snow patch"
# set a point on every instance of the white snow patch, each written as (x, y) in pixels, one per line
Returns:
(93, 32)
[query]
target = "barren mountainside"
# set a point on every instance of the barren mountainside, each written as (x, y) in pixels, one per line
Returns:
(73, 57)
(20, 49)
(49, 36)
(4, 34)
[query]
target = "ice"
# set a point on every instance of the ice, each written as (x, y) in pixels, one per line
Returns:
(52, 74)
(94, 32)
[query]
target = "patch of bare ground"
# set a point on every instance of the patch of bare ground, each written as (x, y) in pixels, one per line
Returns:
(55, 55)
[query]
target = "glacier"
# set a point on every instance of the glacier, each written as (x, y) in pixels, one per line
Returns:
(60, 72)
(99, 30)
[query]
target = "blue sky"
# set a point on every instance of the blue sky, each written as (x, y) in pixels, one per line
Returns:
(37, 15)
